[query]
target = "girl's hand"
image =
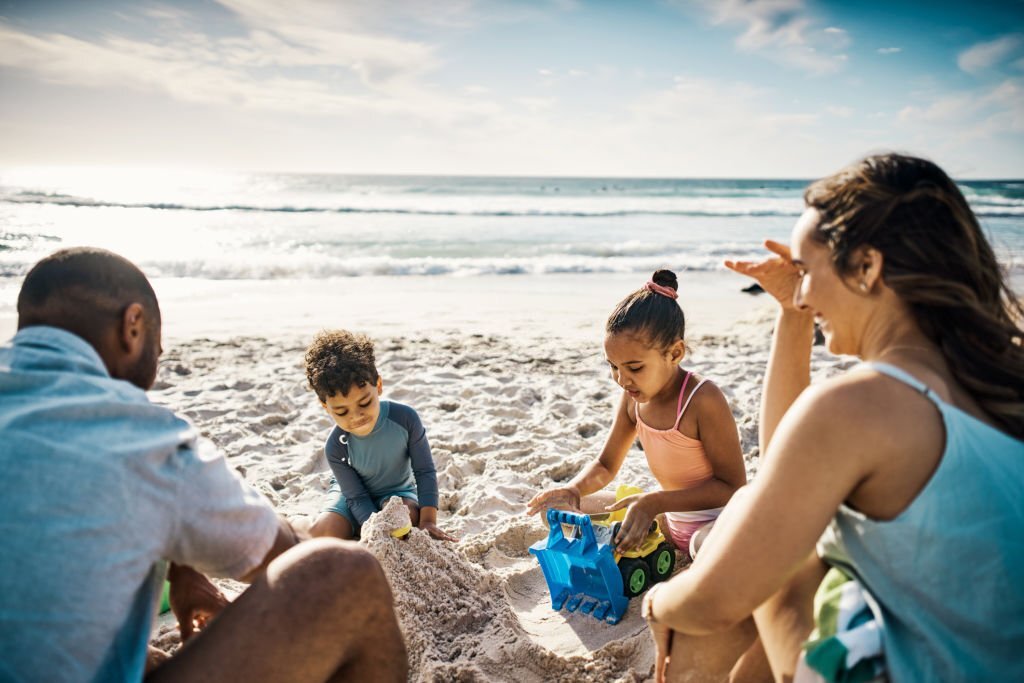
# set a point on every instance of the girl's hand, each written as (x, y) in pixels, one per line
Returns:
(437, 532)
(637, 523)
(776, 274)
(562, 498)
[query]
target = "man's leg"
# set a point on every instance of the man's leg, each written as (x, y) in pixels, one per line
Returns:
(333, 525)
(323, 611)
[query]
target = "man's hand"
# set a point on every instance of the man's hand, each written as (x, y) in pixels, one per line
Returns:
(194, 599)
(636, 525)
(562, 498)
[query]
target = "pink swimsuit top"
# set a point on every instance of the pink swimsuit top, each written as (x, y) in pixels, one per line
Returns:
(677, 461)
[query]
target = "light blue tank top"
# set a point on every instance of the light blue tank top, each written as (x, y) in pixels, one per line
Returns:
(948, 572)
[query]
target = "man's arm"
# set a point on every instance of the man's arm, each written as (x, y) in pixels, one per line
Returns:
(287, 537)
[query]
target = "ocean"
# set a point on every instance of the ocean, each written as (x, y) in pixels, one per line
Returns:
(268, 226)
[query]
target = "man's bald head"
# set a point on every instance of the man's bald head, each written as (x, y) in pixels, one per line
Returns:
(88, 291)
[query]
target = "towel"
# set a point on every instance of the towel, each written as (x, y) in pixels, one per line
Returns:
(846, 644)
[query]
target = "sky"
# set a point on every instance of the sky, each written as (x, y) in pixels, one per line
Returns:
(671, 88)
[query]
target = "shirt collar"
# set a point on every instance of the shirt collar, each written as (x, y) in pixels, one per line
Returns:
(65, 342)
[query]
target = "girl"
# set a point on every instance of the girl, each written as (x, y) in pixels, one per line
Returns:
(683, 421)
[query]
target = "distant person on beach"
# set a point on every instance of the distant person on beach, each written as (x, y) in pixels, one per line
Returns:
(101, 489)
(377, 449)
(905, 474)
(683, 421)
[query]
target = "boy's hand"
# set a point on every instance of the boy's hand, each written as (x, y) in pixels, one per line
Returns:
(562, 498)
(437, 532)
(637, 523)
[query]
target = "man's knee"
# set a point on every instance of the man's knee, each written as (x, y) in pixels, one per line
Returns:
(332, 569)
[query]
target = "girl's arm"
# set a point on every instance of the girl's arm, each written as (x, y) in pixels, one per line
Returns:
(717, 432)
(768, 529)
(599, 472)
(789, 363)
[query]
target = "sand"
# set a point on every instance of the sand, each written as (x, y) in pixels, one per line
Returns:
(506, 416)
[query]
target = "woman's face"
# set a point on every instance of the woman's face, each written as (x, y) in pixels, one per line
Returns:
(834, 300)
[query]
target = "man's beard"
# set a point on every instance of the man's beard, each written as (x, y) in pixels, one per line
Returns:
(143, 373)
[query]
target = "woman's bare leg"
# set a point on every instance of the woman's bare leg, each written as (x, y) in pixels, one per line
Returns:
(696, 659)
(786, 619)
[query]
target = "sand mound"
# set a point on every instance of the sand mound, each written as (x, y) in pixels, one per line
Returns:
(464, 623)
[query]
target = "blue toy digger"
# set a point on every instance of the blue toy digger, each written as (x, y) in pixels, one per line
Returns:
(584, 572)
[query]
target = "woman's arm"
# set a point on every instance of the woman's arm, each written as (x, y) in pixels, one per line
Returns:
(770, 527)
(788, 372)
(789, 363)
(599, 472)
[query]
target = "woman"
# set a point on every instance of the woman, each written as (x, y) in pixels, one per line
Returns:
(909, 468)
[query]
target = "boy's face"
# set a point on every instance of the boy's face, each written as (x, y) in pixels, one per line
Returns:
(357, 410)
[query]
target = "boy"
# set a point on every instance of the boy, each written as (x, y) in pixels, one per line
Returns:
(378, 450)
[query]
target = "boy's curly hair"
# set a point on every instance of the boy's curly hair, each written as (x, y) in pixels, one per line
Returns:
(338, 360)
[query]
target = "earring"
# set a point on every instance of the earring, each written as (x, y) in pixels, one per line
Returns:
(863, 286)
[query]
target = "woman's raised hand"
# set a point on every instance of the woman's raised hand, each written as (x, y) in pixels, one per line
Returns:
(562, 498)
(776, 274)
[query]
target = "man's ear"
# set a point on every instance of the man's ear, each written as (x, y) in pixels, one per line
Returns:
(380, 385)
(132, 332)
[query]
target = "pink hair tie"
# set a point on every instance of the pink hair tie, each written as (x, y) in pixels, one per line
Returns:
(653, 286)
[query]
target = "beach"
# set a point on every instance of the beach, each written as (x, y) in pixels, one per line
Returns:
(515, 397)
(486, 298)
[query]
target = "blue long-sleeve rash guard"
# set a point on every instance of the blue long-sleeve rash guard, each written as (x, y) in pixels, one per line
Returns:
(390, 458)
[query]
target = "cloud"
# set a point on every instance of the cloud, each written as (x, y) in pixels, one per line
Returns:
(889, 50)
(784, 31)
(301, 61)
(983, 56)
(987, 112)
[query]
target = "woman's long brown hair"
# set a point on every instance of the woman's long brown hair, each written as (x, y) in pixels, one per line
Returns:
(939, 262)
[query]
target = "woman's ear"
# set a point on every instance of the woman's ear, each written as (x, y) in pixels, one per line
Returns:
(868, 268)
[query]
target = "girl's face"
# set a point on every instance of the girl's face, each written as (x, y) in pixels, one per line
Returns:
(639, 368)
(834, 300)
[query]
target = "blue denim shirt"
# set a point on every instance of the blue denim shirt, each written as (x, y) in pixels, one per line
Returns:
(100, 488)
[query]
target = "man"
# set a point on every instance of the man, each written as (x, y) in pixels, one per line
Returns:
(100, 489)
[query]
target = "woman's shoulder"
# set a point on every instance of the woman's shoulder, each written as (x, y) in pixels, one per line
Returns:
(866, 405)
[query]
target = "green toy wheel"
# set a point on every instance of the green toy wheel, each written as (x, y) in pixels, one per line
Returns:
(636, 576)
(662, 561)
